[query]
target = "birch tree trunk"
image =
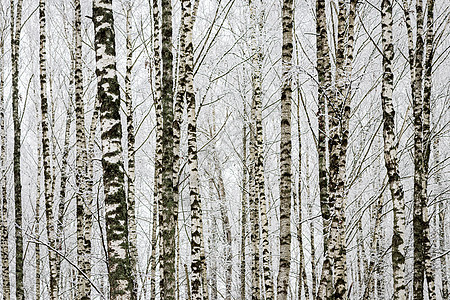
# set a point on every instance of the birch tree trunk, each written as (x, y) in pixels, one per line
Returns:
(187, 56)
(441, 227)
(83, 286)
(131, 211)
(257, 19)
(37, 216)
(4, 209)
(168, 215)
(324, 96)
(16, 26)
(390, 153)
(429, 272)
(285, 149)
(244, 205)
(119, 266)
(254, 219)
(46, 154)
(302, 280)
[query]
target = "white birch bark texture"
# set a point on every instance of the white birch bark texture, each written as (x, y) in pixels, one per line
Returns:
(131, 199)
(16, 26)
(48, 195)
(108, 93)
(256, 16)
(168, 210)
(3, 184)
(390, 153)
(285, 149)
(198, 258)
(83, 250)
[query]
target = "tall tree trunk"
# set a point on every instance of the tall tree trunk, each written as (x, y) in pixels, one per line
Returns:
(429, 272)
(220, 187)
(418, 224)
(257, 27)
(119, 267)
(187, 57)
(37, 216)
(441, 227)
(4, 208)
(324, 96)
(46, 153)
(16, 26)
(254, 215)
(157, 202)
(302, 280)
(83, 286)
(339, 114)
(168, 214)
(390, 153)
(244, 204)
(131, 211)
(285, 149)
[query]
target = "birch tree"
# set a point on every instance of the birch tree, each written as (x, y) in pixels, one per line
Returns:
(4, 209)
(16, 26)
(390, 153)
(46, 154)
(285, 151)
(119, 266)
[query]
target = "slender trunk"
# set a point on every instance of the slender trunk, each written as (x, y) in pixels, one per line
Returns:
(390, 153)
(324, 96)
(83, 286)
(429, 272)
(131, 211)
(157, 202)
(302, 280)
(370, 271)
(254, 220)
(168, 215)
(285, 149)
(119, 268)
(4, 208)
(48, 195)
(311, 227)
(441, 226)
(37, 216)
(187, 79)
(244, 204)
(226, 226)
(419, 207)
(16, 26)
(257, 27)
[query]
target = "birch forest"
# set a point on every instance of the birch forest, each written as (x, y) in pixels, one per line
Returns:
(225, 149)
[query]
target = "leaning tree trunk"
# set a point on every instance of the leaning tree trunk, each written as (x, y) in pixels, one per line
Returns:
(4, 206)
(168, 215)
(16, 26)
(302, 280)
(48, 195)
(429, 272)
(285, 150)
(390, 153)
(131, 201)
(108, 93)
